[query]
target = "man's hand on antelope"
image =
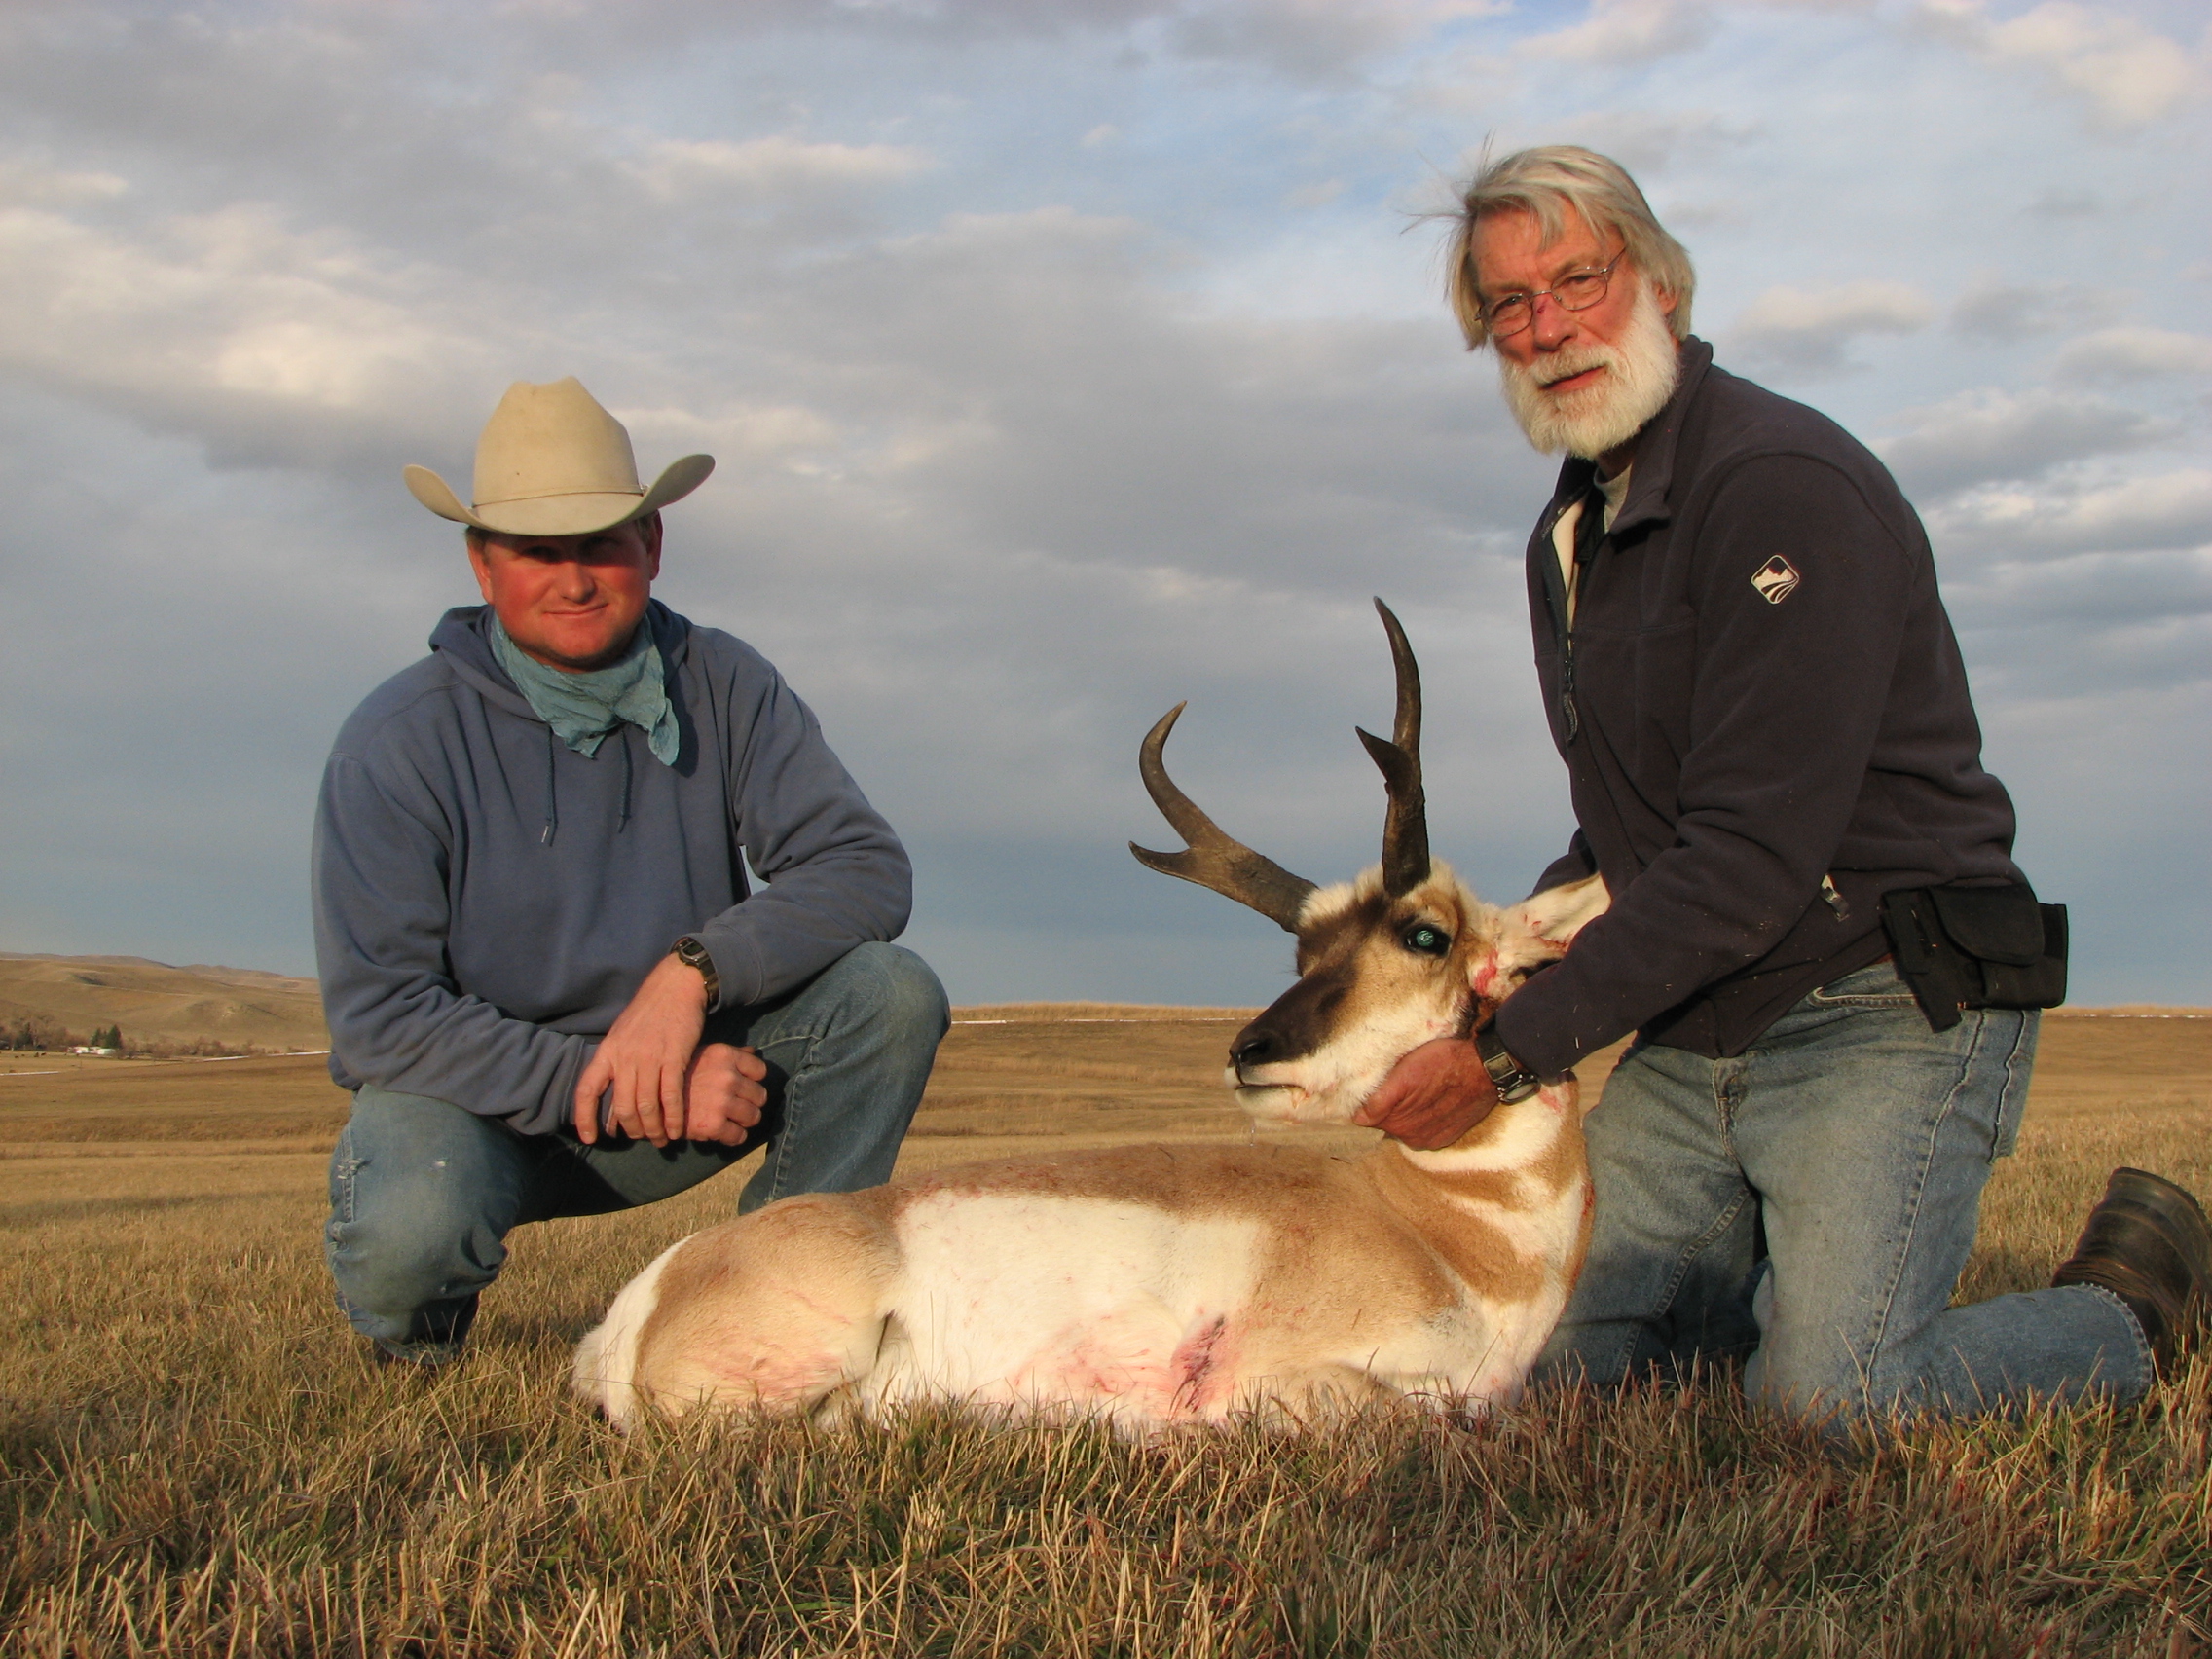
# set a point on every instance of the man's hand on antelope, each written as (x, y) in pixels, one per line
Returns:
(1433, 1096)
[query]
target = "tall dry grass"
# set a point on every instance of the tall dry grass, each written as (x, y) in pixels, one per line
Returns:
(194, 1460)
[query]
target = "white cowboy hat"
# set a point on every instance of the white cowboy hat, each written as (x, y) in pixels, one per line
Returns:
(553, 462)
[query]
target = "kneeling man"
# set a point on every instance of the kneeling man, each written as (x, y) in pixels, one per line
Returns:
(547, 985)
(1816, 929)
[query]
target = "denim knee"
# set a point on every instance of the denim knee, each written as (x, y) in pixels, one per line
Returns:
(857, 1046)
(389, 1264)
(888, 983)
(420, 1200)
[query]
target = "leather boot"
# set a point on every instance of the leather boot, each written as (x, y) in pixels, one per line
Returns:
(2149, 1243)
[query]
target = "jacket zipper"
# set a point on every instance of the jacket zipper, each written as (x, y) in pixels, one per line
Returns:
(1566, 708)
(1563, 628)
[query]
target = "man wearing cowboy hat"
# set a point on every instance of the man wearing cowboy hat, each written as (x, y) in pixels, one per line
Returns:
(547, 985)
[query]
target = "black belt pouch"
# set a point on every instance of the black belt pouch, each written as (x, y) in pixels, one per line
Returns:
(1961, 947)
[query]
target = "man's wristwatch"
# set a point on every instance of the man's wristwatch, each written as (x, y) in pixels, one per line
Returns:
(693, 954)
(1513, 1079)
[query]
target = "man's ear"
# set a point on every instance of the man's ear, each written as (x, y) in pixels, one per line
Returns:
(1540, 927)
(650, 528)
(479, 561)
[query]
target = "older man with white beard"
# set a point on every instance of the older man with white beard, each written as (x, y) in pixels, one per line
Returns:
(1816, 926)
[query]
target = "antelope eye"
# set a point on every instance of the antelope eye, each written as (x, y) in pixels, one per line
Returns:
(1427, 941)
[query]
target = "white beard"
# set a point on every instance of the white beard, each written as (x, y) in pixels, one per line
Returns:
(1641, 368)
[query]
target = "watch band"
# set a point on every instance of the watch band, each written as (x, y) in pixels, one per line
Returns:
(1514, 1080)
(690, 951)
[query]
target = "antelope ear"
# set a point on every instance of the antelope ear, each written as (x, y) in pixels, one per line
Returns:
(1540, 927)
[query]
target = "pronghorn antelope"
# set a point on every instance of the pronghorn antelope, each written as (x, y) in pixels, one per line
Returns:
(1158, 1285)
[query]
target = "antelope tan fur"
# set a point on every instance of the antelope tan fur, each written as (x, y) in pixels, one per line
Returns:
(1160, 1284)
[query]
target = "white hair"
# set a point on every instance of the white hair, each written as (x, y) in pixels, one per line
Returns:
(1552, 182)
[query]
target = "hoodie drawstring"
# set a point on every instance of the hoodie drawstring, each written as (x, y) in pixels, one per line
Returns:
(552, 770)
(552, 809)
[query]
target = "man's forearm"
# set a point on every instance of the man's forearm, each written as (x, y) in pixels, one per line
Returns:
(430, 1040)
(806, 919)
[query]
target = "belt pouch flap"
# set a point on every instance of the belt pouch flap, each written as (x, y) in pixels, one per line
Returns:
(2043, 982)
(1941, 981)
(1997, 924)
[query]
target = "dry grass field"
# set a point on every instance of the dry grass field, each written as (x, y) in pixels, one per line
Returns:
(194, 1460)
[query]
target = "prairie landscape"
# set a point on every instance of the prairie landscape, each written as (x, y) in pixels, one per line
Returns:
(195, 1458)
(162, 1010)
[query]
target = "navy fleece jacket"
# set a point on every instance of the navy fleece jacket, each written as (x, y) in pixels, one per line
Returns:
(487, 899)
(1736, 740)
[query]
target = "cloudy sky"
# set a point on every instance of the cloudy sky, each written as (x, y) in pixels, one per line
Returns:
(1064, 358)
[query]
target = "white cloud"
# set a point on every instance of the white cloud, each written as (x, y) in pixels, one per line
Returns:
(1809, 330)
(1318, 193)
(2053, 202)
(1994, 309)
(2060, 633)
(2131, 74)
(2134, 353)
(734, 433)
(1325, 39)
(677, 168)
(1648, 141)
(2164, 510)
(2095, 591)
(1628, 32)
(28, 182)
(1982, 436)
(230, 325)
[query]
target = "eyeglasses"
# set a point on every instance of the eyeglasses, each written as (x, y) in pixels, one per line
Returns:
(1578, 290)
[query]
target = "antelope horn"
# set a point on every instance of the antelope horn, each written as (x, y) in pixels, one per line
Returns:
(1405, 827)
(1214, 860)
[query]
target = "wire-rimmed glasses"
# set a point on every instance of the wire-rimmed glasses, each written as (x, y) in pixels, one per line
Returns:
(1578, 290)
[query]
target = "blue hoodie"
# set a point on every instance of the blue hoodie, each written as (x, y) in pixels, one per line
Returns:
(487, 899)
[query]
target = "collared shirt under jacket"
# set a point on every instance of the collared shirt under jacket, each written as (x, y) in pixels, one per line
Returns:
(1765, 690)
(487, 899)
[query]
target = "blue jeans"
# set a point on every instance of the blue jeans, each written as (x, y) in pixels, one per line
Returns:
(423, 1192)
(1810, 1204)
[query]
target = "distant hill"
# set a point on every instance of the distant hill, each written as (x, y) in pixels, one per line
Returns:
(244, 1007)
(235, 1007)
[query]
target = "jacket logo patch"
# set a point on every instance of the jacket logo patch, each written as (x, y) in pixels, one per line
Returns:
(1776, 579)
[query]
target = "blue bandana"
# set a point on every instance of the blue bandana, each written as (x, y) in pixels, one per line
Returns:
(584, 709)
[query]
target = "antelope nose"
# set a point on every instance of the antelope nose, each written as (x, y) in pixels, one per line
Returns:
(1253, 1046)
